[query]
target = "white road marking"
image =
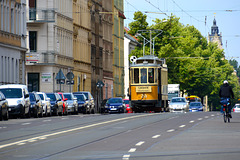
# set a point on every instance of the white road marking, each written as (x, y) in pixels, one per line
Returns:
(20, 144)
(140, 143)
(32, 140)
(191, 121)
(132, 150)
(206, 117)
(199, 119)
(182, 126)
(126, 156)
(156, 136)
(71, 130)
(26, 124)
(64, 118)
(212, 115)
(47, 120)
(170, 130)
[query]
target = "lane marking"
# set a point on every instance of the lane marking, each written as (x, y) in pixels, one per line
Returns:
(191, 121)
(25, 124)
(47, 120)
(182, 126)
(126, 156)
(74, 129)
(199, 119)
(212, 115)
(132, 150)
(140, 143)
(170, 130)
(206, 117)
(156, 136)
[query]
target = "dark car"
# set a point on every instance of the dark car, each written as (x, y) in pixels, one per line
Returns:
(36, 107)
(3, 107)
(104, 108)
(56, 103)
(195, 107)
(90, 99)
(115, 105)
(82, 103)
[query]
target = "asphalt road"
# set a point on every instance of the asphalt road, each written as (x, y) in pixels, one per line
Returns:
(148, 136)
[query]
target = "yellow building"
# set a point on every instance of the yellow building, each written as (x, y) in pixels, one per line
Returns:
(82, 45)
(118, 49)
(12, 41)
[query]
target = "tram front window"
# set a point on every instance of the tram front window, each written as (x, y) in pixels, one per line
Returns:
(143, 75)
(151, 75)
(136, 75)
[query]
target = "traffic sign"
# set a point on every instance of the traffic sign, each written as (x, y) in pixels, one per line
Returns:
(60, 75)
(70, 75)
(70, 82)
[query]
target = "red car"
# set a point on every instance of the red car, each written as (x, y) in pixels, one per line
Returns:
(128, 107)
(65, 104)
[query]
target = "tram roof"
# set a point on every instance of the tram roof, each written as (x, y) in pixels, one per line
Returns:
(149, 60)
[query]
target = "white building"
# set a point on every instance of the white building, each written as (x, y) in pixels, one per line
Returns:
(129, 44)
(12, 41)
(50, 44)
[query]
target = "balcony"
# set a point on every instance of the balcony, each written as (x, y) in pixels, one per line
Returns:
(44, 58)
(41, 15)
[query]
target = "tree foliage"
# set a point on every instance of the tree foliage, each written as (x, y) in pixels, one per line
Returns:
(198, 66)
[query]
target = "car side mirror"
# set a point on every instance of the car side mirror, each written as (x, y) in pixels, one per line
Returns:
(65, 99)
(74, 98)
(26, 95)
(48, 99)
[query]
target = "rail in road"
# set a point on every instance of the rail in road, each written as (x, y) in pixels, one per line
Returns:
(122, 136)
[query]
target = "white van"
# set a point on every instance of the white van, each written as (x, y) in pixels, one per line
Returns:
(17, 96)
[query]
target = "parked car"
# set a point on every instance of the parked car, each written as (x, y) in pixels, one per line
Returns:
(36, 107)
(3, 107)
(90, 100)
(115, 105)
(195, 107)
(17, 96)
(104, 108)
(65, 103)
(46, 103)
(128, 107)
(236, 108)
(72, 103)
(178, 104)
(82, 102)
(56, 103)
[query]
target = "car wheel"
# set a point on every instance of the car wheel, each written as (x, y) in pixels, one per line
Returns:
(93, 111)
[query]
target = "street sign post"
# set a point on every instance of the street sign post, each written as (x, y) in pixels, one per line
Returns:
(60, 78)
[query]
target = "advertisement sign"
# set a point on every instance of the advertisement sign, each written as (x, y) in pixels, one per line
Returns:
(46, 77)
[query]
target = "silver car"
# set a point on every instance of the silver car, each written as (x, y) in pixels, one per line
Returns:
(46, 103)
(179, 104)
(72, 103)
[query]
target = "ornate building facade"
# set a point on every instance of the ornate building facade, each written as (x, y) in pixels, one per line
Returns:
(12, 41)
(215, 36)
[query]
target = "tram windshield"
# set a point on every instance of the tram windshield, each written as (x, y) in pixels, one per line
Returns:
(144, 75)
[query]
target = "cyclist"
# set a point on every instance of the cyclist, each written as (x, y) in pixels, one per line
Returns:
(226, 92)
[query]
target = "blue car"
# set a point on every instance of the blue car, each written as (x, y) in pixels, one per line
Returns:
(82, 103)
(115, 105)
(195, 107)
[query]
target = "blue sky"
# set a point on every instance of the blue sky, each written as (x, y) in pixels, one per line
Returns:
(193, 12)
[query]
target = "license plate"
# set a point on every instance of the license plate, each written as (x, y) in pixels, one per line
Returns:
(9, 109)
(113, 109)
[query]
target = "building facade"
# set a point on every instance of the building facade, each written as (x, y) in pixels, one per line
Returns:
(130, 43)
(82, 37)
(118, 49)
(49, 43)
(215, 36)
(12, 41)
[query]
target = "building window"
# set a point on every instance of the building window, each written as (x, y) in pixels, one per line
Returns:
(12, 21)
(33, 82)
(33, 41)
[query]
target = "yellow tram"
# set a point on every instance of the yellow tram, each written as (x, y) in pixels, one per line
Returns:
(148, 83)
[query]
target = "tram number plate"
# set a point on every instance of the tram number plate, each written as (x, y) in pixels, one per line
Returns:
(143, 89)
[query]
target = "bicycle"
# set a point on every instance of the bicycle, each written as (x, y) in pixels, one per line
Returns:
(226, 116)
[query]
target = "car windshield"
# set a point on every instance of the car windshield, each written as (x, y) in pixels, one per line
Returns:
(12, 92)
(68, 96)
(79, 97)
(115, 100)
(237, 105)
(86, 94)
(52, 97)
(176, 100)
(32, 97)
(195, 104)
(41, 96)
(126, 101)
